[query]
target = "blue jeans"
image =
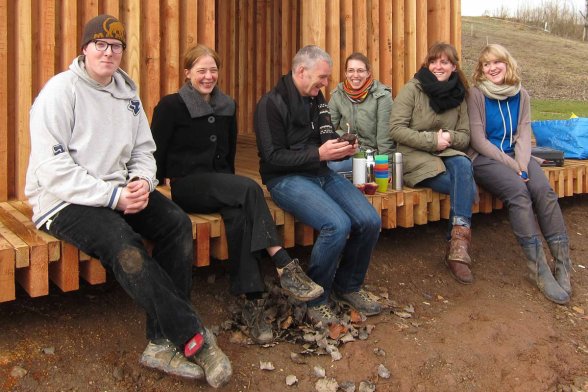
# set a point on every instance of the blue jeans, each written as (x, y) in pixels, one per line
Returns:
(161, 283)
(334, 207)
(346, 165)
(457, 182)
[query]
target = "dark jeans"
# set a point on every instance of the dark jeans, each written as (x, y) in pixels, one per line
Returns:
(160, 283)
(248, 222)
(349, 228)
(523, 199)
(457, 182)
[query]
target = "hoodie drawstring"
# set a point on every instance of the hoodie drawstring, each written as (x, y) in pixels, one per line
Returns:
(504, 124)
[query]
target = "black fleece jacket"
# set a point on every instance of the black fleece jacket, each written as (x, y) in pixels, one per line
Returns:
(289, 132)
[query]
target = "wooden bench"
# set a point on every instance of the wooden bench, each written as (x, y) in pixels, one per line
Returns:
(33, 258)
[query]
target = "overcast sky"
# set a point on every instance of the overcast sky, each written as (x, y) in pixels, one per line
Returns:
(477, 7)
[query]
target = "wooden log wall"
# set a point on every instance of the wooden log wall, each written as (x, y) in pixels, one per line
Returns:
(256, 40)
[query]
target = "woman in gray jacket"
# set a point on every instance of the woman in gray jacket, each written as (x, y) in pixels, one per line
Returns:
(500, 119)
(364, 105)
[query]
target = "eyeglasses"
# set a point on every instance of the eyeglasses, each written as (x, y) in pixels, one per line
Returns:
(359, 71)
(102, 46)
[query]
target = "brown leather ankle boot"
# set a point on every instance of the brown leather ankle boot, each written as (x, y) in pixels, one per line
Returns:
(457, 257)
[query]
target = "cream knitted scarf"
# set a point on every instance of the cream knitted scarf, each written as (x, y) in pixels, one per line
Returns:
(498, 91)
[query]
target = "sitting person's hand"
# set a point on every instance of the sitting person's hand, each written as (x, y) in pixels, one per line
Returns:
(443, 140)
(333, 150)
(134, 197)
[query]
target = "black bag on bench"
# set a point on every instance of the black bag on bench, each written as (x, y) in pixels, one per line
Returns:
(550, 156)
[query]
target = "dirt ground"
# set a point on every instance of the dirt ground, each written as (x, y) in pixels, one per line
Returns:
(498, 334)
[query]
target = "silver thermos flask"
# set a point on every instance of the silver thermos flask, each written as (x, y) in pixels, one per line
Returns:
(397, 172)
(370, 165)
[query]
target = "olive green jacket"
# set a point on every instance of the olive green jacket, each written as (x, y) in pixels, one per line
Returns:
(414, 126)
(369, 120)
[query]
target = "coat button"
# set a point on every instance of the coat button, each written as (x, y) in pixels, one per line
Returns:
(217, 156)
(213, 138)
(211, 119)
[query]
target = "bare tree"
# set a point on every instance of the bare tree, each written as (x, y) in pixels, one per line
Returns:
(585, 15)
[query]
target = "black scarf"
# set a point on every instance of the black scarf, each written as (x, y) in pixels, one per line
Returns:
(442, 95)
(219, 104)
(300, 114)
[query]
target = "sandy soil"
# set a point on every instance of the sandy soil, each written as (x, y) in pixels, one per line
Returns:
(498, 334)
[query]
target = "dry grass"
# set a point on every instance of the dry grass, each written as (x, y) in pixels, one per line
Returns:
(552, 67)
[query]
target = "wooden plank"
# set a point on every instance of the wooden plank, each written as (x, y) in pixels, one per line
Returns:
(22, 212)
(150, 50)
(385, 28)
(288, 231)
(43, 43)
(304, 234)
(445, 207)
(218, 245)
(202, 245)
(7, 265)
(132, 57)
(35, 277)
(360, 26)
(405, 213)
(92, 271)
(332, 46)
(312, 22)
(373, 44)
(206, 22)
(23, 94)
(65, 272)
(5, 179)
(398, 47)
(171, 67)
(420, 207)
(21, 249)
(410, 38)
(389, 212)
(434, 208)
(68, 47)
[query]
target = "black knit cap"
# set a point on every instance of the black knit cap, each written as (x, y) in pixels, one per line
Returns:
(103, 26)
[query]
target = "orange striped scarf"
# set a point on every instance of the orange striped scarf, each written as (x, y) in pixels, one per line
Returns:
(359, 95)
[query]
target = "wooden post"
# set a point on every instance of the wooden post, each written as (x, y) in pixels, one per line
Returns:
(386, 44)
(312, 23)
(398, 46)
(332, 43)
(4, 156)
(22, 87)
(171, 68)
(151, 49)
(206, 22)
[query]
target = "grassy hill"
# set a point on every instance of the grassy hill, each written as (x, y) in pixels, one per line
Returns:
(554, 69)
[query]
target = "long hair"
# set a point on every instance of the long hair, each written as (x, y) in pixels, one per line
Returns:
(497, 52)
(441, 48)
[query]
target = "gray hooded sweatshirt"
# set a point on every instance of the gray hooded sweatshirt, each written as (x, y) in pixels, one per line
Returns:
(87, 142)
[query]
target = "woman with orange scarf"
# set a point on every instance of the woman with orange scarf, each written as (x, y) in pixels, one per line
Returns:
(362, 105)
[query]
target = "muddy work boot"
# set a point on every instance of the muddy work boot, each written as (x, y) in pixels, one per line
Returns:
(216, 365)
(458, 259)
(161, 354)
(323, 314)
(259, 329)
(560, 250)
(360, 301)
(540, 273)
(297, 284)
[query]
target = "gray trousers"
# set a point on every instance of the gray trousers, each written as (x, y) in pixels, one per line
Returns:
(523, 199)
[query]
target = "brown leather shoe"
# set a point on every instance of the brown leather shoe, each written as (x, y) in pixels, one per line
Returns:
(457, 257)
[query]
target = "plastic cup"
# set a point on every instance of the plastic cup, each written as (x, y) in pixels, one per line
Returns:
(381, 158)
(382, 184)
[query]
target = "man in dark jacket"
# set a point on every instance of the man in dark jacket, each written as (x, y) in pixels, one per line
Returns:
(295, 139)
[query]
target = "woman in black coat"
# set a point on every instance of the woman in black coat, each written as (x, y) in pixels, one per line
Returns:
(196, 135)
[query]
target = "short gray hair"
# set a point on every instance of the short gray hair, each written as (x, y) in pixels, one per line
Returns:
(309, 55)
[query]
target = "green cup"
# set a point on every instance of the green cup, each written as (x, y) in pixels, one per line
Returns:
(382, 184)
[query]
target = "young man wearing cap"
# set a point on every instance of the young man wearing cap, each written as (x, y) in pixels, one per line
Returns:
(91, 182)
